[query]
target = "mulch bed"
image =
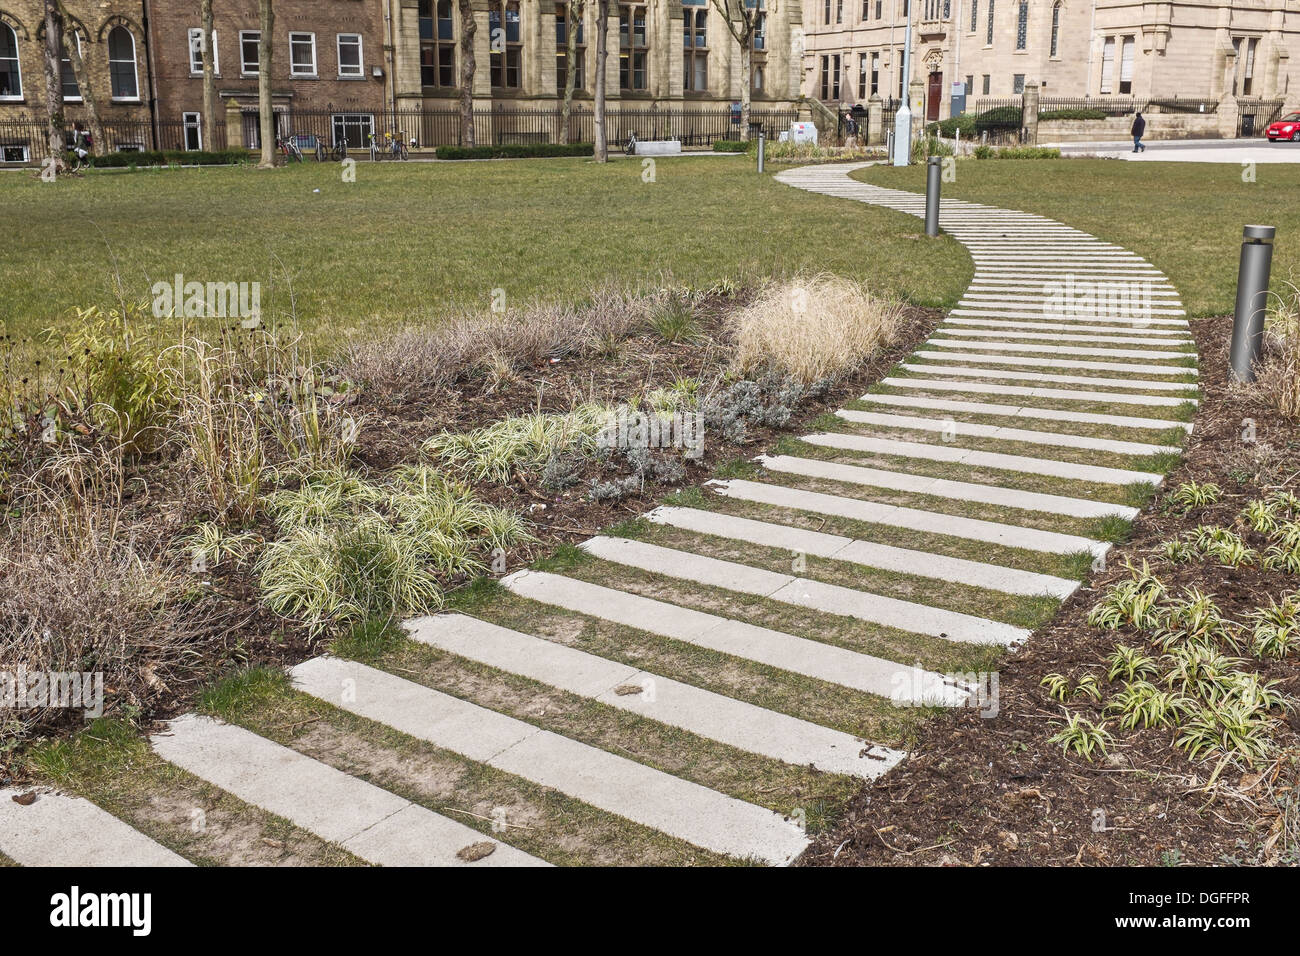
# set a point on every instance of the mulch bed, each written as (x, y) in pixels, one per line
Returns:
(993, 791)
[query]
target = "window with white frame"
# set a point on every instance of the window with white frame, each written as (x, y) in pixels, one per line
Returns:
(1107, 65)
(353, 129)
(121, 64)
(11, 74)
(196, 52)
(1126, 65)
(16, 153)
(193, 129)
(250, 56)
(350, 59)
(302, 54)
(68, 79)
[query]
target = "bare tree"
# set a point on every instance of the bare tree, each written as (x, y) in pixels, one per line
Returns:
(574, 12)
(54, 85)
(468, 27)
(266, 113)
(84, 86)
(742, 18)
(602, 51)
(209, 81)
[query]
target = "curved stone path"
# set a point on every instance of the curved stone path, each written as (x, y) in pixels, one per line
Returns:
(1027, 425)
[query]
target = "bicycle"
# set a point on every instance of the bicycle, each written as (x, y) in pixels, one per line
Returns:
(289, 149)
(339, 151)
(629, 147)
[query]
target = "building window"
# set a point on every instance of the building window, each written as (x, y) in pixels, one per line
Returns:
(196, 52)
(988, 34)
(986, 84)
(759, 70)
(1022, 25)
(71, 91)
(121, 64)
(1018, 83)
(875, 73)
(250, 57)
(932, 9)
(193, 125)
(866, 9)
(1107, 64)
(974, 15)
(1056, 28)
(302, 54)
(695, 49)
(350, 58)
(11, 74)
(879, 8)
(839, 11)
(506, 43)
(563, 14)
(826, 12)
(862, 76)
(1248, 72)
(633, 48)
(760, 29)
(826, 78)
(1126, 66)
(836, 66)
(437, 44)
(13, 154)
(353, 129)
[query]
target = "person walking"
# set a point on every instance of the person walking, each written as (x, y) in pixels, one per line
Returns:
(1139, 127)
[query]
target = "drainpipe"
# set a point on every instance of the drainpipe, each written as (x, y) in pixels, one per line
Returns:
(956, 61)
(390, 58)
(153, 74)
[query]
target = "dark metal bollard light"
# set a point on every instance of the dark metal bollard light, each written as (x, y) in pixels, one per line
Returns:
(932, 177)
(1252, 301)
(761, 150)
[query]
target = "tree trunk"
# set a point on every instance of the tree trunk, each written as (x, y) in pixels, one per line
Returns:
(266, 113)
(746, 82)
(54, 86)
(602, 31)
(468, 27)
(575, 11)
(209, 81)
(79, 70)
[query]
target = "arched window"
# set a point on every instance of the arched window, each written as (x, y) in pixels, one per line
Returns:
(121, 64)
(695, 56)
(11, 75)
(67, 76)
(988, 36)
(1022, 25)
(1056, 27)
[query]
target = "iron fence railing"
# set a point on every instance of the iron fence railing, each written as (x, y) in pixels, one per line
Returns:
(25, 139)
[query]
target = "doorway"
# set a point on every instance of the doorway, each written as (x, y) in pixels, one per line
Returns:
(934, 96)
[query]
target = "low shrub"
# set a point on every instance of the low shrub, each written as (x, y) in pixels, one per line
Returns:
(173, 157)
(1047, 116)
(733, 145)
(1016, 152)
(1001, 117)
(495, 452)
(1278, 377)
(515, 151)
(813, 328)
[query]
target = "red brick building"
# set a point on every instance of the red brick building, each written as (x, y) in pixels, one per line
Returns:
(328, 61)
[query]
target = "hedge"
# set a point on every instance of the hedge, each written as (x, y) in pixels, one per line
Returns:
(1072, 114)
(522, 151)
(732, 145)
(171, 157)
(1017, 152)
(1003, 117)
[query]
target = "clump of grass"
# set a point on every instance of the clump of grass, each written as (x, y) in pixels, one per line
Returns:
(495, 452)
(1279, 373)
(674, 320)
(813, 328)
(353, 549)
(1191, 494)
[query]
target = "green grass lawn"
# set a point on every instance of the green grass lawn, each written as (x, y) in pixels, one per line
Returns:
(410, 242)
(1186, 218)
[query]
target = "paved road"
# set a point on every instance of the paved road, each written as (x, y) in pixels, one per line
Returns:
(1235, 151)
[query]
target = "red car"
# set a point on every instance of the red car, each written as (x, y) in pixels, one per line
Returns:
(1288, 127)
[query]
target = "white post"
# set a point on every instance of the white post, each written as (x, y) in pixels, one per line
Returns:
(903, 119)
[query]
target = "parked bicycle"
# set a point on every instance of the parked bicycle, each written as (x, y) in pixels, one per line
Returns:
(388, 146)
(289, 149)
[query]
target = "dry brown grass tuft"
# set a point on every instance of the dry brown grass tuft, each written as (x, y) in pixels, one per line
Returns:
(1279, 372)
(813, 328)
(499, 343)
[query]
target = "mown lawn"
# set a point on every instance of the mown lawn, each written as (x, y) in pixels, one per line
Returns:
(410, 242)
(1184, 217)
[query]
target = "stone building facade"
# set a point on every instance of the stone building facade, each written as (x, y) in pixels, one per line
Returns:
(1068, 48)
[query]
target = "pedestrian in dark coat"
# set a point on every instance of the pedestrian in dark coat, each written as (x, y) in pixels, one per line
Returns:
(1139, 127)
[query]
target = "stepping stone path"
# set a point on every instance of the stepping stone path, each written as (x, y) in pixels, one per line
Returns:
(1024, 419)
